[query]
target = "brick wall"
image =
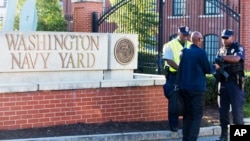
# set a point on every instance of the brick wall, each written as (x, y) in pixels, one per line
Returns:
(245, 29)
(47, 108)
(83, 15)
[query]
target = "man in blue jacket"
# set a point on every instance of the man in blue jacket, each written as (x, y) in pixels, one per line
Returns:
(194, 66)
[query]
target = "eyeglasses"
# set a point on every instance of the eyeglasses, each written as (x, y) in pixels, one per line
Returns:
(224, 38)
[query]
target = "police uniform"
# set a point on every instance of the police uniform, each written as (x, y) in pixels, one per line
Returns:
(171, 50)
(231, 91)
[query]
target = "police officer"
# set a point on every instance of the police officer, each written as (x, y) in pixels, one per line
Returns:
(171, 56)
(231, 90)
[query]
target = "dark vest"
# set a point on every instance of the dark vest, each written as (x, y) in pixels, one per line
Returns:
(234, 68)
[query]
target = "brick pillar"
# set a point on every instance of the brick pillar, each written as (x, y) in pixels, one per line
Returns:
(82, 12)
(245, 29)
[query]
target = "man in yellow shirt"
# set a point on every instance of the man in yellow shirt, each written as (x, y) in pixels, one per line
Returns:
(171, 57)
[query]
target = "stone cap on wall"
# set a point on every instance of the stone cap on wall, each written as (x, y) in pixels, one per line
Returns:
(138, 80)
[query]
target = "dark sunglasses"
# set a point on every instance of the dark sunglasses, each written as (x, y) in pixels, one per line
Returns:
(224, 38)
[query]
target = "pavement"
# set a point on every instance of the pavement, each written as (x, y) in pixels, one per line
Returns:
(201, 138)
(206, 133)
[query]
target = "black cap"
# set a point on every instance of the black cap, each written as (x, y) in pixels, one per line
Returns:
(184, 30)
(227, 33)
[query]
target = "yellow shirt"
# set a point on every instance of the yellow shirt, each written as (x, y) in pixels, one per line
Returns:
(176, 48)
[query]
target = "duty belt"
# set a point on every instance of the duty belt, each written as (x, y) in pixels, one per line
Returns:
(173, 73)
(230, 78)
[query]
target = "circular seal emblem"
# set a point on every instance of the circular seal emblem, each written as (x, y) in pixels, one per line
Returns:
(124, 51)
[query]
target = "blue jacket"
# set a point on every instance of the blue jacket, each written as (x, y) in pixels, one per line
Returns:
(193, 67)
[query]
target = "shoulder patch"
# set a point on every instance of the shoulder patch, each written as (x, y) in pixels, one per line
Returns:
(241, 48)
(232, 51)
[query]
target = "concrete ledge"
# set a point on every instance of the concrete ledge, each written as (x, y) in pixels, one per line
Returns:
(246, 121)
(18, 87)
(127, 83)
(141, 75)
(139, 80)
(134, 136)
(160, 81)
(69, 85)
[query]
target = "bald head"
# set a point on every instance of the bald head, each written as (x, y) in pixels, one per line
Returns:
(196, 38)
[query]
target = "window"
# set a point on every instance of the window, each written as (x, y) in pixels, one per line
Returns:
(211, 7)
(179, 7)
(211, 45)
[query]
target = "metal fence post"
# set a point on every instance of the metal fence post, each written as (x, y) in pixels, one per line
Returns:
(160, 37)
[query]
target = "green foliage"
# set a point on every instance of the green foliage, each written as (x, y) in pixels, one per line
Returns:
(50, 15)
(137, 17)
(247, 109)
(247, 104)
(18, 10)
(211, 95)
(247, 86)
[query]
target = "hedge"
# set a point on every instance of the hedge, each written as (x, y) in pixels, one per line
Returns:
(211, 94)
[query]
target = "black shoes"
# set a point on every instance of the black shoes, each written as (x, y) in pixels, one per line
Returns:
(175, 129)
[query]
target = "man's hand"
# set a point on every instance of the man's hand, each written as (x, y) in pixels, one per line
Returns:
(217, 66)
(219, 60)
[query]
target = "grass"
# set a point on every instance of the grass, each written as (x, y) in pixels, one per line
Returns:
(247, 109)
(247, 104)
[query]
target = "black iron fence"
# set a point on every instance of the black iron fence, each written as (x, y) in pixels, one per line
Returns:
(157, 21)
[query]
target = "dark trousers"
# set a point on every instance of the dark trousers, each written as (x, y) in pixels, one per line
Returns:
(230, 93)
(194, 103)
(173, 119)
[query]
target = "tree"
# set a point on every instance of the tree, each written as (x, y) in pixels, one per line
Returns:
(50, 16)
(139, 17)
(49, 13)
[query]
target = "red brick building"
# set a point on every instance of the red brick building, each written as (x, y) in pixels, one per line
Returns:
(209, 19)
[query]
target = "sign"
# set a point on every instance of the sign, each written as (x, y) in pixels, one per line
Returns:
(52, 51)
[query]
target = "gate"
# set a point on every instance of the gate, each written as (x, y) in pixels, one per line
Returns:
(157, 22)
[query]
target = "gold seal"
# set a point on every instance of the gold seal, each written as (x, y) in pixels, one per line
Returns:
(124, 51)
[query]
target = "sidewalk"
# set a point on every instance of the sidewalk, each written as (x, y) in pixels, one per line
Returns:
(135, 136)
